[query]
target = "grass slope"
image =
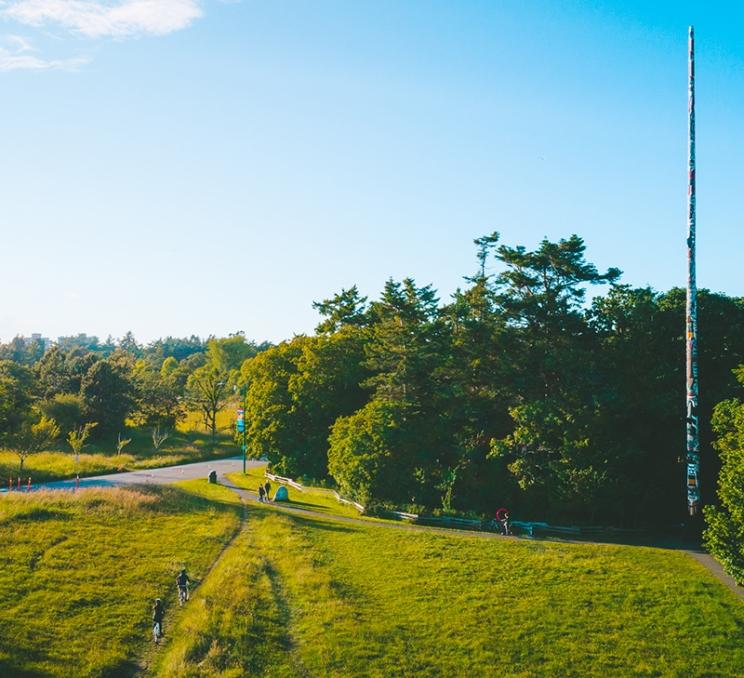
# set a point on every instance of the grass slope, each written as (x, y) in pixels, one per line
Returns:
(299, 597)
(79, 571)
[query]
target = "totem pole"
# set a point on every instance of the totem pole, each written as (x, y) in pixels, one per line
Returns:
(693, 437)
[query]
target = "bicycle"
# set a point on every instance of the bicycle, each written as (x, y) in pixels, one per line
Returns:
(183, 594)
(156, 632)
(502, 516)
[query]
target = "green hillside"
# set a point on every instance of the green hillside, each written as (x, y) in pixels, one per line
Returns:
(298, 596)
(303, 597)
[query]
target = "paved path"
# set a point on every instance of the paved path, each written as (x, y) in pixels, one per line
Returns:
(155, 476)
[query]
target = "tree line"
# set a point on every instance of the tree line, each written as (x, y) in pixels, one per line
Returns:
(81, 388)
(516, 391)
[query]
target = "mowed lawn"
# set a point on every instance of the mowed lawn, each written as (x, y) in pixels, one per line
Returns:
(302, 597)
(79, 572)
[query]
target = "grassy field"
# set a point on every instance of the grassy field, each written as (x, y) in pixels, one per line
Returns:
(79, 571)
(313, 498)
(295, 596)
(184, 445)
(301, 597)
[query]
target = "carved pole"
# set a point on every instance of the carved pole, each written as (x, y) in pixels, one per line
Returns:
(693, 436)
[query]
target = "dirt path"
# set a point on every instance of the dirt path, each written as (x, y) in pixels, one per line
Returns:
(706, 560)
(146, 660)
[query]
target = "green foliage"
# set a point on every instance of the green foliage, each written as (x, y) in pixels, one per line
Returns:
(513, 392)
(22, 351)
(67, 409)
(293, 394)
(121, 443)
(229, 353)
(181, 447)
(724, 536)
(107, 393)
(62, 371)
(157, 396)
(31, 436)
(16, 395)
(362, 452)
(77, 438)
(346, 309)
(207, 389)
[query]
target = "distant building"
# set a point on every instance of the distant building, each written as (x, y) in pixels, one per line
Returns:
(36, 336)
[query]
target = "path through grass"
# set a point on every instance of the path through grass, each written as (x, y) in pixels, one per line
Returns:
(79, 571)
(303, 597)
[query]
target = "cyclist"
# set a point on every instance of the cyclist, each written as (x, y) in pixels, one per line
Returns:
(183, 581)
(157, 620)
(502, 516)
(505, 526)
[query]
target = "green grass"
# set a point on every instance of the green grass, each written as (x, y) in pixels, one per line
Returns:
(193, 421)
(79, 571)
(100, 458)
(299, 596)
(304, 597)
(315, 499)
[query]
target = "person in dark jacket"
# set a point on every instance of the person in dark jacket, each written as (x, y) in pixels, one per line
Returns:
(158, 612)
(261, 493)
(267, 489)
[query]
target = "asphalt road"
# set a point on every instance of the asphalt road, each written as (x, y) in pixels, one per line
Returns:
(155, 476)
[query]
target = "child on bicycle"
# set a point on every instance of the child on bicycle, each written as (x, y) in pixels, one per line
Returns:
(183, 581)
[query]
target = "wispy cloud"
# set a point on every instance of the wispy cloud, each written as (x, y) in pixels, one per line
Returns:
(29, 62)
(17, 53)
(105, 18)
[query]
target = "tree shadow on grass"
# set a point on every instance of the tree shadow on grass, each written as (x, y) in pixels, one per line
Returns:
(8, 668)
(22, 657)
(330, 524)
(125, 669)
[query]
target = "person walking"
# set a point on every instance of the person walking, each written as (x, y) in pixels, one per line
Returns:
(267, 489)
(261, 493)
(158, 613)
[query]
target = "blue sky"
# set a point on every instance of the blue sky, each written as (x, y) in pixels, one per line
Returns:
(187, 166)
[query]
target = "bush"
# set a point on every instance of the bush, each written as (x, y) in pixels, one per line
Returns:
(66, 409)
(724, 536)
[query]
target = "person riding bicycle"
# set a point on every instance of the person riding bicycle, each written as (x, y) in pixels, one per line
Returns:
(183, 581)
(158, 612)
(505, 526)
(502, 516)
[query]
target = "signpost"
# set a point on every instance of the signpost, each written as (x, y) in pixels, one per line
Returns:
(240, 426)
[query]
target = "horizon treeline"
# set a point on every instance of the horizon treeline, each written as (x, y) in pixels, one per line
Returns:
(79, 387)
(514, 392)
